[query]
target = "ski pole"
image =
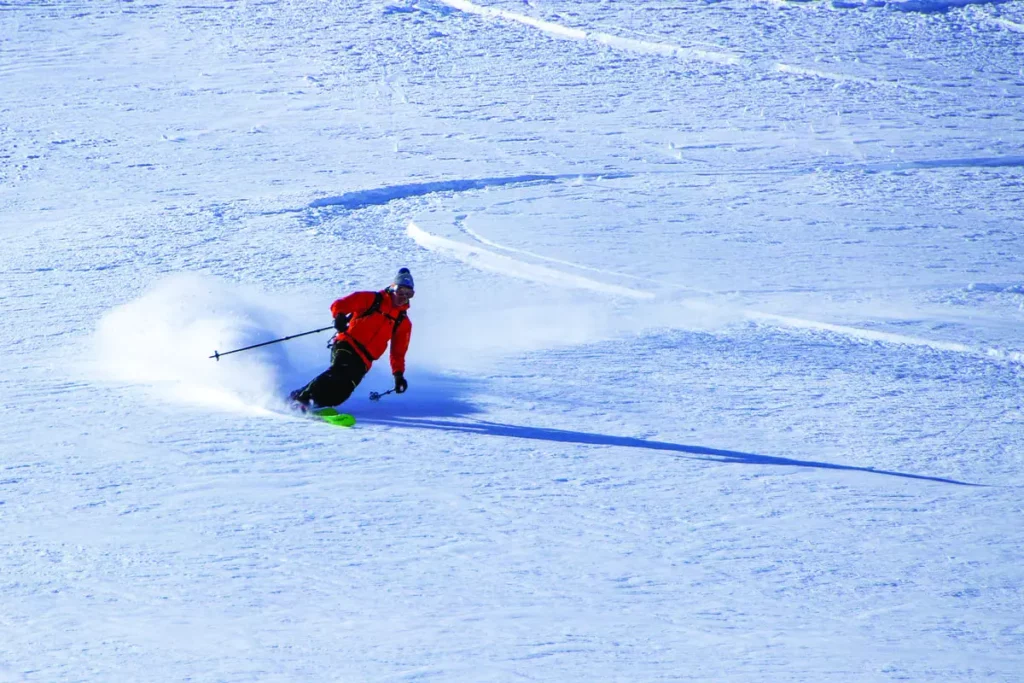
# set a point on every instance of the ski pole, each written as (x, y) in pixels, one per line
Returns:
(217, 355)
(376, 396)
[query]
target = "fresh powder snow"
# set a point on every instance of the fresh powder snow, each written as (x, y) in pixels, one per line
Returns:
(716, 367)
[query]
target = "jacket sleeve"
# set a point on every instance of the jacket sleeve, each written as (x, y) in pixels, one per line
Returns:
(357, 302)
(399, 345)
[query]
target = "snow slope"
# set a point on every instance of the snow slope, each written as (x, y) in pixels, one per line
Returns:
(716, 362)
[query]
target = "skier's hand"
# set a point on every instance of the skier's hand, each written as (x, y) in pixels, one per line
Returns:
(341, 322)
(400, 384)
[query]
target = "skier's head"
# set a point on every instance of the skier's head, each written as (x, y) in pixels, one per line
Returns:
(403, 279)
(402, 288)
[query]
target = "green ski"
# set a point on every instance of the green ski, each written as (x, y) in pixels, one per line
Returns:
(332, 416)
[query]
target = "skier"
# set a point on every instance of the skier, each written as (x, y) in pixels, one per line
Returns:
(366, 322)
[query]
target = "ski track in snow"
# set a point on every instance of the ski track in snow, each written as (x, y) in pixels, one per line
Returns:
(971, 162)
(381, 196)
(1005, 23)
(626, 44)
(506, 265)
(361, 199)
(460, 223)
(671, 50)
(919, 6)
(511, 267)
(922, 6)
(1009, 161)
(883, 337)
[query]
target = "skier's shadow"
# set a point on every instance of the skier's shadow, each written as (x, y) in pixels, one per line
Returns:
(437, 405)
(566, 436)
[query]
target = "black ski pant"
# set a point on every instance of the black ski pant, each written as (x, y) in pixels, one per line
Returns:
(335, 384)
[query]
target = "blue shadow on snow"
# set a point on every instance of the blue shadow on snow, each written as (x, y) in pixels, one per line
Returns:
(566, 436)
(378, 196)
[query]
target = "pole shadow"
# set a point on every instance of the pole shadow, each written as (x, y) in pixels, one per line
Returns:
(687, 451)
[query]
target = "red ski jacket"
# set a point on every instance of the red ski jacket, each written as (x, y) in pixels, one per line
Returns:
(369, 331)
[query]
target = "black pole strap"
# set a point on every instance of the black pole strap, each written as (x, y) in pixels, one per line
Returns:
(217, 354)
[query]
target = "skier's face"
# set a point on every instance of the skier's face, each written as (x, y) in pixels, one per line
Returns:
(401, 295)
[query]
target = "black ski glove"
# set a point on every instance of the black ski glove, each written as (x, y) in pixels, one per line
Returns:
(400, 384)
(341, 322)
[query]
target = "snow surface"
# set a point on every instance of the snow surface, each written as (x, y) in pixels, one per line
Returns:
(716, 363)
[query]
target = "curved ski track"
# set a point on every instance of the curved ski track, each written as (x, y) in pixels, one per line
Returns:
(361, 199)
(672, 50)
(380, 196)
(485, 259)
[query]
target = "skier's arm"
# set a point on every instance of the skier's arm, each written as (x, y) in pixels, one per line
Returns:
(357, 302)
(399, 345)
